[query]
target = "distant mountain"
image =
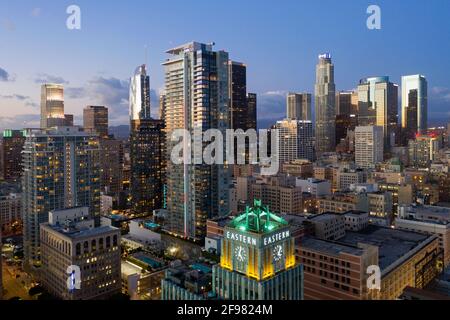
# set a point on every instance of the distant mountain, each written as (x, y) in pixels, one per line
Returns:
(120, 132)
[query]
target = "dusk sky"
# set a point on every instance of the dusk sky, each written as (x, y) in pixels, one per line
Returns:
(278, 40)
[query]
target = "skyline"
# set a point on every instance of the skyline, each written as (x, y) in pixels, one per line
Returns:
(280, 48)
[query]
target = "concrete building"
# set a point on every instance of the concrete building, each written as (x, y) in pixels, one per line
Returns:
(69, 239)
(278, 194)
(429, 220)
(423, 151)
(298, 106)
(300, 168)
(61, 170)
(343, 202)
(345, 178)
(317, 188)
(368, 146)
(356, 220)
(329, 226)
(10, 214)
(340, 270)
(295, 140)
(95, 120)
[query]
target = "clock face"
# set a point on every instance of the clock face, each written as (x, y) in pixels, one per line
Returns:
(240, 253)
(278, 253)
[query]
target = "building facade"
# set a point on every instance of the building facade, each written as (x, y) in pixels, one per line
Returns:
(13, 141)
(95, 120)
(414, 106)
(258, 259)
(52, 106)
(369, 146)
(299, 106)
(295, 140)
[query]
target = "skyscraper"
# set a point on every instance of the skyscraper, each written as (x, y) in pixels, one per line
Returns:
(252, 111)
(61, 170)
(52, 106)
(295, 140)
(298, 106)
(146, 148)
(346, 113)
(414, 106)
(147, 157)
(95, 120)
(12, 146)
(378, 106)
(197, 98)
(140, 94)
(325, 105)
(238, 95)
(111, 163)
(368, 146)
(258, 259)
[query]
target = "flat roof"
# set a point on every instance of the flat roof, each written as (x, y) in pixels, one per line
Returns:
(392, 244)
(81, 233)
(330, 247)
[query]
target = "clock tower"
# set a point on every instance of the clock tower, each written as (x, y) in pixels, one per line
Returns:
(258, 259)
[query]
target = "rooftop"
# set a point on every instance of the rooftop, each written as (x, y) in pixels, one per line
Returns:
(392, 244)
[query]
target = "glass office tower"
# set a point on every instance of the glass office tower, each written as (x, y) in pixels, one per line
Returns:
(414, 105)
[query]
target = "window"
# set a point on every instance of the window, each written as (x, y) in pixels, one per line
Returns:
(94, 245)
(108, 242)
(78, 249)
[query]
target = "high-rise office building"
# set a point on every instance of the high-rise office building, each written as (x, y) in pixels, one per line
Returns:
(70, 238)
(12, 146)
(252, 112)
(325, 90)
(95, 120)
(197, 99)
(52, 106)
(238, 95)
(414, 106)
(61, 170)
(258, 259)
(140, 94)
(346, 103)
(68, 120)
(299, 106)
(368, 146)
(147, 140)
(295, 140)
(378, 106)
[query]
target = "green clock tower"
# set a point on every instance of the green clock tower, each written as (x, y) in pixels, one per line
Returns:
(258, 259)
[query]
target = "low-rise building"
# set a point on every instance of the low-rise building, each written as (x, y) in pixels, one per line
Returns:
(317, 188)
(329, 226)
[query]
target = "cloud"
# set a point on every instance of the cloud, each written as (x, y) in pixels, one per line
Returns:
(5, 76)
(20, 121)
(440, 93)
(26, 99)
(43, 78)
(271, 107)
(36, 12)
(8, 25)
(112, 93)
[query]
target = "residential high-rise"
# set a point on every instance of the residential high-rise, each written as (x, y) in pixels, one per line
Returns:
(12, 146)
(52, 106)
(147, 142)
(299, 106)
(378, 106)
(368, 146)
(325, 90)
(61, 170)
(258, 259)
(70, 238)
(252, 112)
(197, 99)
(95, 120)
(423, 150)
(111, 163)
(295, 140)
(414, 106)
(140, 94)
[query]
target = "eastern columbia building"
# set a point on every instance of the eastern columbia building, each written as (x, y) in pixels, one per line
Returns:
(258, 259)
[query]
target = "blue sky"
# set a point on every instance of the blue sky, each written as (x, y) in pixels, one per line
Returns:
(278, 40)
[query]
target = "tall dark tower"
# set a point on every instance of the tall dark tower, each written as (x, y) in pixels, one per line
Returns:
(146, 148)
